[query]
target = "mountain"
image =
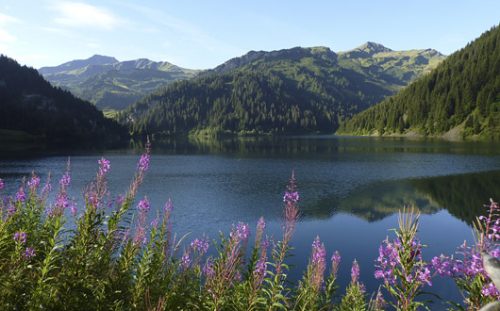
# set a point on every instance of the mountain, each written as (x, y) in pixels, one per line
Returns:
(394, 69)
(78, 65)
(111, 84)
(31, 107)
(460, 98)
(298, 90)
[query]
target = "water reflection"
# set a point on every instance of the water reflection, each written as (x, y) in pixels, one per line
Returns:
(320, 144)
(464, 196)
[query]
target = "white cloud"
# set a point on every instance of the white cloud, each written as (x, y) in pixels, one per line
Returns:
(77, 14)
(58, 31)
(184, 28)
(4, 19)
(5, 35)
(93, 45)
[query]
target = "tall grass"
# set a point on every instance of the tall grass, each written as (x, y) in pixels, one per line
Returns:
(113, 259)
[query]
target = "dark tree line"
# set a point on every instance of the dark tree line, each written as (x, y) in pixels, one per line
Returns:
(30, 104)
(301, 91)
(464, 90)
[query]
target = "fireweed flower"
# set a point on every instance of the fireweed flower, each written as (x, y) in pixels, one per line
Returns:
(317, 264)
(318, 252)
(261, 226)
(260, 270)
(379, 303)
(33, 183)
(400, 264)
(143, 205)
(29, 253)
(120, 199)
(424, 276)
(168, 206)
(140, 235)
(241, 232)
(142, 167)
(291, 199)
(11, 209)
(387, 260)
(290, 218)
(20, 195)
(185, 260)
(335, 262)
(355, 272)
(104, 166)
(72, 208)
(154, 223)
(144, 160)
(20, 237)
(490, 226)
(47, 188)
(443, 265)
(140, 231)
(200, 245)
(65, 180)
(490, 290)
(229, 263)
(208, 269)
(62, 201)
(61, 204)
(466, 265)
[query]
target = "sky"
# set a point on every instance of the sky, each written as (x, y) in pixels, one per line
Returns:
(203, 34)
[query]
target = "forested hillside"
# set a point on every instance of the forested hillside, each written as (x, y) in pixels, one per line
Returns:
(299, 90)
(31, 105)
(460, 98)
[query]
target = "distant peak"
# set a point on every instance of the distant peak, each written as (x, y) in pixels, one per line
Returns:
(102, 59)
(373, 47)
(292, 54)
(433, 52)
(94, 60)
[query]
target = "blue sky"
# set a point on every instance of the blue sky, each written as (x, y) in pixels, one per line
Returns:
(202, 34)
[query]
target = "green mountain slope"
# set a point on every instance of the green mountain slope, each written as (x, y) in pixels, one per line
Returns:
(297, 90)
(394, 69)
(111, 84)
(31, 107)
(460, 98)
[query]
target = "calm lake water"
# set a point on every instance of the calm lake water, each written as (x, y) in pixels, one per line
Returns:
(351, 189)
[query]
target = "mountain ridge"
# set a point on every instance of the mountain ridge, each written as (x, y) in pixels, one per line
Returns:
(295, 90)
(392, 68)
(113, 84)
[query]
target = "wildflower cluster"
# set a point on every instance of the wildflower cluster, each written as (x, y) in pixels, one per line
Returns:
(354, 298)
(466, 265)
(400, 265)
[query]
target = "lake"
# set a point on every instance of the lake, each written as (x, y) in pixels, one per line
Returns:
(351, 189)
